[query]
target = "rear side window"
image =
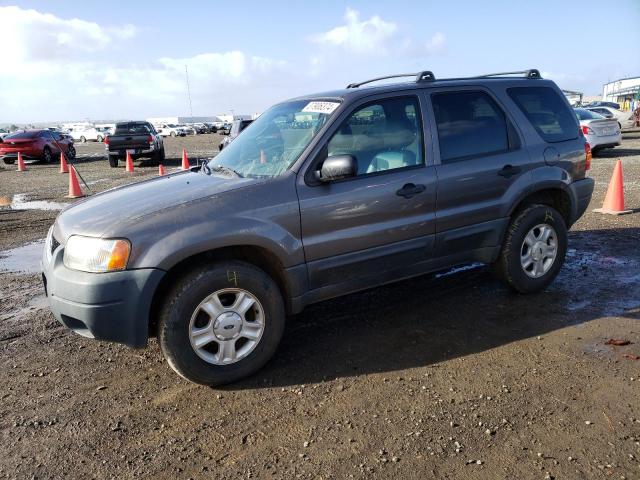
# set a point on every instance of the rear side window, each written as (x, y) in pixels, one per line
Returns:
(547, 112)
(470, 124)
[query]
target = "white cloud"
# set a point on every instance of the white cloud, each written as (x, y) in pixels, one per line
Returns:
(358, 36)
(43, 37)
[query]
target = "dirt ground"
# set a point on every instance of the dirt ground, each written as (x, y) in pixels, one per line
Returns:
(444, 376)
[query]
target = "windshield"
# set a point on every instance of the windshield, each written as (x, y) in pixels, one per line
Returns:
(583, 114)
(275, 140)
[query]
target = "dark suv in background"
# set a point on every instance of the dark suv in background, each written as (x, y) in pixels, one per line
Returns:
(321, 196)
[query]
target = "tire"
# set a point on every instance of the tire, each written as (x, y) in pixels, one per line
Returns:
(113, 161)
(510, 265)
(99, 139)
(46, 155)
(180, 314)
(173, 134)
(159, 156)
(71, 152)
(83, 139)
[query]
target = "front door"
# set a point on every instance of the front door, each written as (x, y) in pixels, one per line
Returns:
(364, 228)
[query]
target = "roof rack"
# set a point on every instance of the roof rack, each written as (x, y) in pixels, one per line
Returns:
(531, 73)
(425, 76)
(428, 76)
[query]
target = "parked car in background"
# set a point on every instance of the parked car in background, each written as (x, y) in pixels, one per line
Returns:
(139, 139)
(211, 128)
(237, 127)
(171, 130)
(604, 104)
(200, 128)
(84, 134)
(222, 128)
(35, 145)
(624, 119)
(3, 132)
(599, 131)
(212, 261)
(188, 129)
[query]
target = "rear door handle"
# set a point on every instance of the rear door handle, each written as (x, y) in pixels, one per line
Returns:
(410, 189)
(509, 171)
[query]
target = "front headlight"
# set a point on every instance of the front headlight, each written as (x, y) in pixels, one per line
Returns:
(96, 255)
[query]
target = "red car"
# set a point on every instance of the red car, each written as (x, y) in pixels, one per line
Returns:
(36, 145)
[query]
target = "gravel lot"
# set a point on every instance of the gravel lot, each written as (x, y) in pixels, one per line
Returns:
(443, 376)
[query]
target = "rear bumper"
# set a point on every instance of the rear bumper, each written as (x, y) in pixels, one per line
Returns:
(139, 152)
(106, 306)
(580, 192)
(604, 141)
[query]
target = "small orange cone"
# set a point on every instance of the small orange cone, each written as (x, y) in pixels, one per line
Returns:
(614, 200)
(21, 166)
(185, 160)
(64, 168)
(74, 187)
(161, 170)
(129, 163)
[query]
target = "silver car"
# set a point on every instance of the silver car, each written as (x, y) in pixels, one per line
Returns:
(599, 131)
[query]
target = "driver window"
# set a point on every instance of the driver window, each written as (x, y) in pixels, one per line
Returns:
(381, 136)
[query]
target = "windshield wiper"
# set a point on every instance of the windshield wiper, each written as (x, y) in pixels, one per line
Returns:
(223, 169)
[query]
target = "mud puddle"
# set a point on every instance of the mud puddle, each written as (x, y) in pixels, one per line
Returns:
(24, 259)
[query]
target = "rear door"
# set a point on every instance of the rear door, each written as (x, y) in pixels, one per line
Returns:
(479, 156)
(376, 225)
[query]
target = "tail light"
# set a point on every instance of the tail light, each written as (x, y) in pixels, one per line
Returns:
(587, 156)
(587, 131)
(150, 139)
(106, 140)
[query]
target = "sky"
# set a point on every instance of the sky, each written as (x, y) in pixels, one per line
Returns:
(77, 60)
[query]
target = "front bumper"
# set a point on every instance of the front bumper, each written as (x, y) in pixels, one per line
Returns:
(580, 192)
(111, 306)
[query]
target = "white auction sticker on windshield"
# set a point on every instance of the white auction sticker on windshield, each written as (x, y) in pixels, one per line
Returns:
(321, 107)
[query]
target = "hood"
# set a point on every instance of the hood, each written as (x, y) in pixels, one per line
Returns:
(95, 215)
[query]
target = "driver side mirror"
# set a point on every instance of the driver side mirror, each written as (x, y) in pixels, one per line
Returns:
(337, 167)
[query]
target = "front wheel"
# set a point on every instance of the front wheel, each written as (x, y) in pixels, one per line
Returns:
(533, 250)
(83, 139)
(221, 323)
(46, 155)
(113, 161)
(71, 152)
(99, 139)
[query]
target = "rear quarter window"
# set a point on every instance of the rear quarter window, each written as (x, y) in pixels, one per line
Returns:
(548, 113)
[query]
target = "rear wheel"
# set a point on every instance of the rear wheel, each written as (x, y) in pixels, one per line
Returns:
(159, 156)
(46, 155)
(173, 134)
(221, 323)
(113, 161)
(83, 139)
(71, 152)
(99, 139)
(533, 250)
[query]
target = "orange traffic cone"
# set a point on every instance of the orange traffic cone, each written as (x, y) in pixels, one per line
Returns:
(74, 187)
(161, 170)
(64, 168)
(185, 160)
(129, 163)
(21, 166)
(614, 200)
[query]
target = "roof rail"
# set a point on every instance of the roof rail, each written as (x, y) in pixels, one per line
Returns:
(531, 73)
(428, 76)
(425, 76)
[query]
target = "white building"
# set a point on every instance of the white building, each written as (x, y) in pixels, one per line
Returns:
(623, 91)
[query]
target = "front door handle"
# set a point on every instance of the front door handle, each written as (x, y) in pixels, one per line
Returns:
(410, 189)
(509, 171)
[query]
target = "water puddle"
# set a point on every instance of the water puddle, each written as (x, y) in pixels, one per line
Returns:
(21, 202)
(24, 259)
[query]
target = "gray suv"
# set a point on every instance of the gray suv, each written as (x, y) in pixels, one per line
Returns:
(321, 196)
